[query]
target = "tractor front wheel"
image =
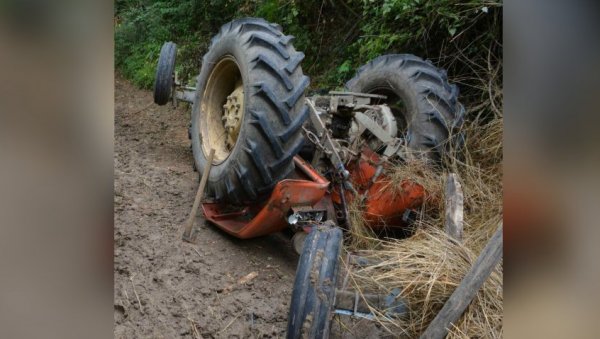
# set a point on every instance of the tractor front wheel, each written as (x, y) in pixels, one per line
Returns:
(313, 297)
(163, 81)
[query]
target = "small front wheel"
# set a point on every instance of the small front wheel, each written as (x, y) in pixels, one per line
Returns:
(163, 82)
(313, 297)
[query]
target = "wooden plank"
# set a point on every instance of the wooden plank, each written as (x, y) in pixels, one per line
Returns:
(466, 291)
(454, 208)
(187, 233)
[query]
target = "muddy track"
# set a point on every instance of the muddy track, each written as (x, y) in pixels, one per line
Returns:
(184, 290)
(165, 288)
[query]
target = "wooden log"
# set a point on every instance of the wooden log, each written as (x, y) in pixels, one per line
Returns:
(454, 208)
(187, 233)
(467, 290)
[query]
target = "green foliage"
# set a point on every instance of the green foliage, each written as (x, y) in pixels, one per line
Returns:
(434, 29)
(142, 26)
(337, 36)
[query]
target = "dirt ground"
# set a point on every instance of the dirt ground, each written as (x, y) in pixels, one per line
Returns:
(165, 288)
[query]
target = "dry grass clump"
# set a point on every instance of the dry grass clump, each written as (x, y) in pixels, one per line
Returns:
(480, 172)
(432, 181)
(427, 268)
(479, 168)
(360, 236)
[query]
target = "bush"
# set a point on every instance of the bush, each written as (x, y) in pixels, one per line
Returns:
(141, 27)
(465, 37)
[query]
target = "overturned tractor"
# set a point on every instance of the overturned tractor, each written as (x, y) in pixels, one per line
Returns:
(286, 161)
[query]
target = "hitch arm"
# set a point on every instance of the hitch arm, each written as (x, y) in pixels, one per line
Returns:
(329, 145)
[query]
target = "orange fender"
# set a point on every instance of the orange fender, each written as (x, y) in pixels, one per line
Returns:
(386, 201)
(307, 188)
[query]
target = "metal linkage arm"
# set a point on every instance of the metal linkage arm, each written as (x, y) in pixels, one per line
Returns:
(329, 145)
(182, 93)
(323, 135)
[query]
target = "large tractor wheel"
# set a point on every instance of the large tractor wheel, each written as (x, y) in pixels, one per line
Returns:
(313, 297)
(426, 107)
(163, 81)
(250, 108)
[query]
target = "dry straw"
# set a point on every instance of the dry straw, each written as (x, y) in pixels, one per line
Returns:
(428, 266)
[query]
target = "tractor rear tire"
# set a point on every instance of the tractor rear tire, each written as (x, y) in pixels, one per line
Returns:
(163, 82)
(431, 116)
(258, 55)
(313, 297)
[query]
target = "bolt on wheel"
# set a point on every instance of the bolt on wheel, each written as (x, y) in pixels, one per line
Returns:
(232, 116)
(224, 109)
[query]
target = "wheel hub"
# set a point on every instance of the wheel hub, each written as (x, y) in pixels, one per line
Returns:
(384, 118)
(232, 116)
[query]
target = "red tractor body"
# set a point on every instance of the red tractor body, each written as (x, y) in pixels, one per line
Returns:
(306, 189)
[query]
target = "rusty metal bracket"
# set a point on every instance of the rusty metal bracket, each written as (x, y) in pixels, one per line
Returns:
(350, 99)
